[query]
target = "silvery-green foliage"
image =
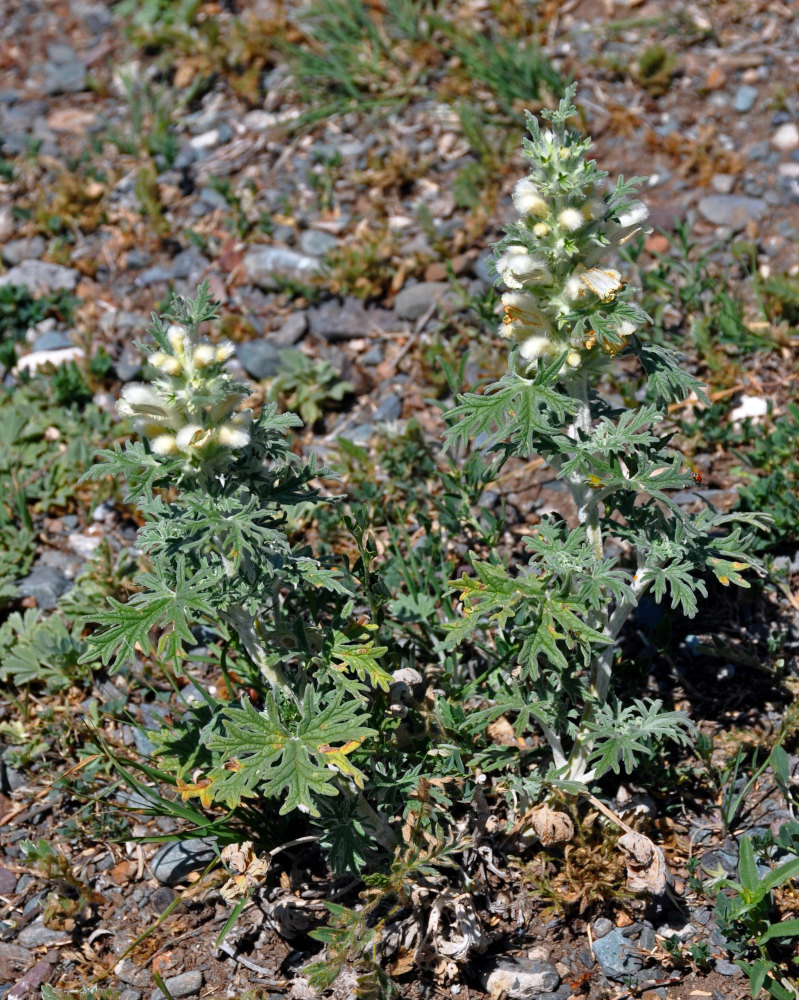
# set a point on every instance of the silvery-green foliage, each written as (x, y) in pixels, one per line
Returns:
(214, 485)
(568, 313)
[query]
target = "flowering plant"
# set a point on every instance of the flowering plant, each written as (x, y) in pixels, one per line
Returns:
(214, 485)
(568, 315)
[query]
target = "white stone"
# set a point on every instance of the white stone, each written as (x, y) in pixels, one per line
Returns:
(753, 407)
(786, 137)
(39, 359)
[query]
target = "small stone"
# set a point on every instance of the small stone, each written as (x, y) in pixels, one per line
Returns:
(183, 985)
(260, 358)
(8, 882)
(334, 320)
(749, 407)
(723, 183)
(716, 78)
(519, 978)
(45, 584)
(744, 99)
(130, 994)
(174, 862)
(731, 210)
(414, 300)
(657, 243)
(36, 935)
(53, 340)
(292, 331)
(14, 955)
(390, 408)
(263, 264)
(28, 986)
(316, 243)
(15, 251)
(618, 957)
(725, 968)
(41, 277)
(786, 137)
(162, 898)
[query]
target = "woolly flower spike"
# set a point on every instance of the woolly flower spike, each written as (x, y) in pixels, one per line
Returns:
(536, 347)
(164, 444)
(528, 199)
(517, 266)
(176, 335)
(225, 350)
(204, 355)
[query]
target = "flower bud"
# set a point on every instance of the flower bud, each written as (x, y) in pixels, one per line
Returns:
(171, 366)
(541, 229)
(176, 335)
(225, 350)
(528, 199)
(164, 444)
(535, 347)
(204, 355)
(571, 219)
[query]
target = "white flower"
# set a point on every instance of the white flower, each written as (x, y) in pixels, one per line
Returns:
(139, 400)
(629, 223)
(528, 199)
(523, 317)
(536, 347)
(168, 364)
(516, 266)
(603, 282)
(204, 355)
(164, 444)
(190, 436)
(571, 219)
(573, 359)
(232, 436)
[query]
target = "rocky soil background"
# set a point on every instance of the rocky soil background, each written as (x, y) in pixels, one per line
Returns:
(146, 147)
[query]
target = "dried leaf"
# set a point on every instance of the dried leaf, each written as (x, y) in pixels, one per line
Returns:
(552, 826)
(646, 866)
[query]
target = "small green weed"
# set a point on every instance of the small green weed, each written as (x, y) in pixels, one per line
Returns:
(20, 309)
(307, 386)
(772, 468)
(757, 935)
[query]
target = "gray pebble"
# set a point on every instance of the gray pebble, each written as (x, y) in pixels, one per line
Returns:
(15, 251)
(725, 968)
(260, 358)
(744, 99)
(183, 985)
(137, 259)
(292, 331)
(8, 882)
(130, 994)
(45, 584)
(263, 264)
(374, 356)
(15, 955)
(601, 927)
(174, 862)
(519, 978)
(731, 210)
(36, 935)
(618, 957)
(334, 320)
(414, 300)
(52, 340)
(41, 277)
(64, 78)
(390, 408)
(647, 939)
(316, 242)
(723, 183)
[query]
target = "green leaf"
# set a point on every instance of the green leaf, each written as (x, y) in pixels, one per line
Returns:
(786, 928)
(783, 873)
(514, 409)
(266, 755)
(747, 872)
(178, 605)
